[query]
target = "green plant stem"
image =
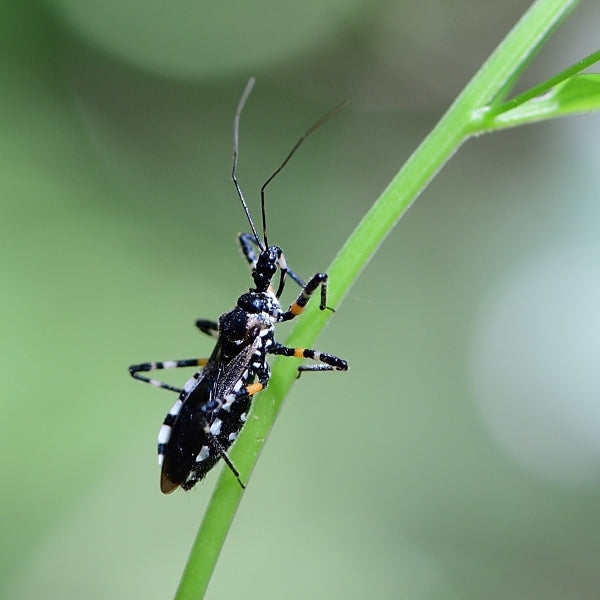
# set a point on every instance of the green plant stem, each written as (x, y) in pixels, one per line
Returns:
(495, 78)
(545, 86)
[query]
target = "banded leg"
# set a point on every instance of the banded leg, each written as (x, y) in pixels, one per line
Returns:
(248, 244)
(208, 327)
(222, 452)
(297, 307)
(135, 370)
(326, 362)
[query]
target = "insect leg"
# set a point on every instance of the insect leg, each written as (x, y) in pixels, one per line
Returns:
(248, 244)
(208, 327)
(135, 370)
(322, 367)
(295, 277)
(297, 307)
(285, 270)
(218, 448)
(326, 362)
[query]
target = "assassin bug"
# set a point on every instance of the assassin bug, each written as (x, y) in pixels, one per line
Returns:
(212, 406)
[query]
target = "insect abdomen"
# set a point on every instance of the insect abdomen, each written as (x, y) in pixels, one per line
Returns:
(201, 429)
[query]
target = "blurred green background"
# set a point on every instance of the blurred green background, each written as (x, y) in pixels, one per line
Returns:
(460, 456)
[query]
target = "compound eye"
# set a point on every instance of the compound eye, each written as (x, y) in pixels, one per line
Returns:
(234, 324)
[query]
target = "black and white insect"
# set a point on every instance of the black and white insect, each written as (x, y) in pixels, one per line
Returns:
(213, 405)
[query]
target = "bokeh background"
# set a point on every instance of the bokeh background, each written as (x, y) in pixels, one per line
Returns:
(460, 456)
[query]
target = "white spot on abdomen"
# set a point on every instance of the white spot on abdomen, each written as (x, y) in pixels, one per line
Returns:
(215, 428)
(203, 454)
(176, 408)
(164, 434)
(190, 384)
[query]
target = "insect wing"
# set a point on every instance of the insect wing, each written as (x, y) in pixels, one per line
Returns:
(208, 420)
(188, 436)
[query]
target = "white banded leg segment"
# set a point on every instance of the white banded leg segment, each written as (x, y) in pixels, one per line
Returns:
(327, 362)
(135, 370)
(297, 307)
(283, 270)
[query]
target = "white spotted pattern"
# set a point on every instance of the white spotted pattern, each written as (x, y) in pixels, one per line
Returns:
(190, 384)
(228, 401)
(164, 434)
(176, 408)
(215, 428)
(203, 454)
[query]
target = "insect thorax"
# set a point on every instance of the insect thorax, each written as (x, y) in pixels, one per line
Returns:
(255, 312)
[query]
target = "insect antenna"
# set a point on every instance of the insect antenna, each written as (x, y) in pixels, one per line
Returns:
(310, 130)
(236, 130)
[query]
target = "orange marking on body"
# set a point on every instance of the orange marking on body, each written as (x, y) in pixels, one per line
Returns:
(296, 309)
(202, 361)
(254, 388)
(299, 352)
